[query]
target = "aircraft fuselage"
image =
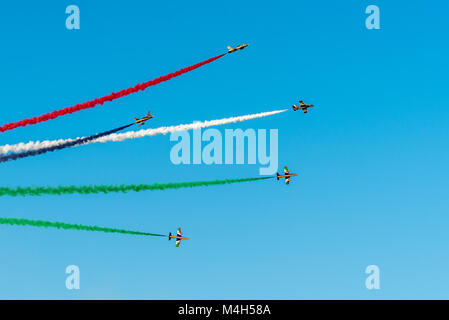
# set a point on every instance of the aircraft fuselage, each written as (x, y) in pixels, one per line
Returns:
(178, 237)
(144, 119)
(287, 175)
(240, 47)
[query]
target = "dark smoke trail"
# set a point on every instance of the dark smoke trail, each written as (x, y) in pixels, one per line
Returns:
(110, 97)
(69, 226)
(60, 190)
(73, 143)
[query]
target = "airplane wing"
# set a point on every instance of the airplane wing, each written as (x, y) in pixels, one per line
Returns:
(178, 242)
(229, 48)
(287, 180)
(305, 110)
(179, 232)
(286, 170)
(301, 102)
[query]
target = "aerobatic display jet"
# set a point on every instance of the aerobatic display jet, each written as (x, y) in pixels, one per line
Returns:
(240, 47)
(178, 237)
(302, 106)
(144, 119)
(287, 175)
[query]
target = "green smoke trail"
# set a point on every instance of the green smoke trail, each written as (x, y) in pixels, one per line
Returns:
(69, 226)
(60, 190)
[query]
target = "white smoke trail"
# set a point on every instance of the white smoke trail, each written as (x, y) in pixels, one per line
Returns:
(36, 145)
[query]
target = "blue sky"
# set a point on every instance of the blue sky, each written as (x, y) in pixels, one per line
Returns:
(372, 156)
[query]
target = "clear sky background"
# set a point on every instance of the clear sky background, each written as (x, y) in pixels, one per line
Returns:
(372, 157)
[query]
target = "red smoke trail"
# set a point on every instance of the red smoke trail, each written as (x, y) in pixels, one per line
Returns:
(110, 97)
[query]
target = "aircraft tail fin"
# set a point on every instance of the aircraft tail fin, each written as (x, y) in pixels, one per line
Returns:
(169, 236)
(277, 175)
